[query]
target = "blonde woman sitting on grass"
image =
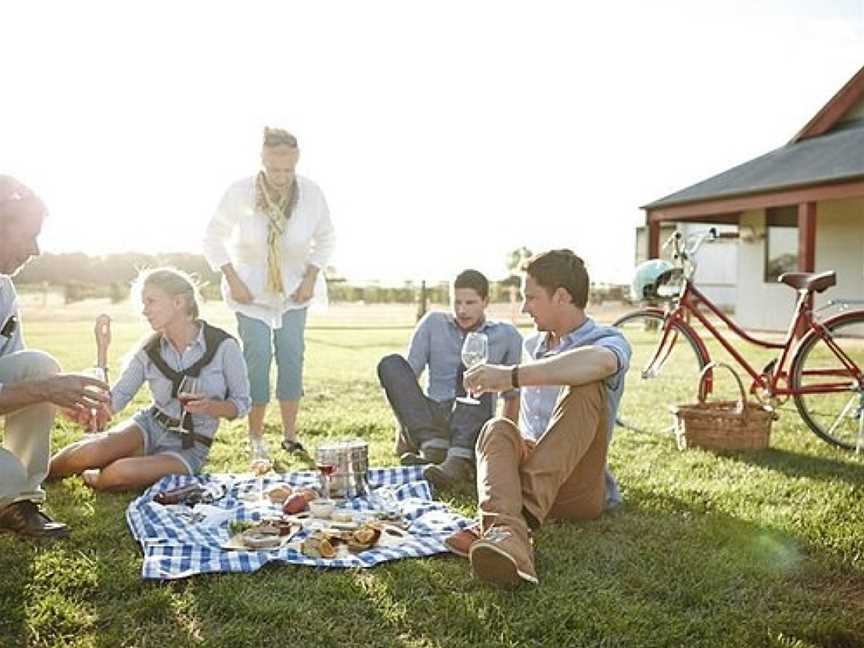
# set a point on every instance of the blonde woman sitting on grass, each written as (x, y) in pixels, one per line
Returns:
(163, 438)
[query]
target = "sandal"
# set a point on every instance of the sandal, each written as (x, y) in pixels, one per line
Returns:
(293, 447)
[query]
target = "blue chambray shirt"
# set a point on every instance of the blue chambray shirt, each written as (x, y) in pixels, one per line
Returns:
(538, 402)
(9, 309)
(226, 374)
(437, 344)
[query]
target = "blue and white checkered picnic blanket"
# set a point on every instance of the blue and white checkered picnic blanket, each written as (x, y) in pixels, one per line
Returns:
(175, 546)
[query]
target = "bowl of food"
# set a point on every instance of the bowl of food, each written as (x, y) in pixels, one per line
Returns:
(321, 508)
(279, 493)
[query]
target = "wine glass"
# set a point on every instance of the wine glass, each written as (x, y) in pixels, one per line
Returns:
(475, 351)
(187, 391)
(99, 373)
(326, 469)
(261, 465)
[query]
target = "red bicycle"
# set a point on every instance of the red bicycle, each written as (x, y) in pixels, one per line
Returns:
(818, 363)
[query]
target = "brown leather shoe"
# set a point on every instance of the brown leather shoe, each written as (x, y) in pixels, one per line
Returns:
(504, 557)
(460, 542)
(25, 519)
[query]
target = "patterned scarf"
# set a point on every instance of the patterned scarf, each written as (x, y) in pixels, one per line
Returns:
(278, 209)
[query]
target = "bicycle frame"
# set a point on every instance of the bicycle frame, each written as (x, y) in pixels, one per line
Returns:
(774, 379)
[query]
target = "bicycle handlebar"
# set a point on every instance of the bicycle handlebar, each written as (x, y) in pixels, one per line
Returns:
(699, 238)
(684, 253)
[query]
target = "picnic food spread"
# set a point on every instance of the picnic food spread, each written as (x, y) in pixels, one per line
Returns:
(329, 535)
(331, 530)
(184, 539)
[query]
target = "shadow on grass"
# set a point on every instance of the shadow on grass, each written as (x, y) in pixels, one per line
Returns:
(16, 566)
(55, 585)
(654, 576)
(716, 579)
(795, 464)
(655, 572)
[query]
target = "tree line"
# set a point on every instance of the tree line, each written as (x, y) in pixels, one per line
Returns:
(110, 276)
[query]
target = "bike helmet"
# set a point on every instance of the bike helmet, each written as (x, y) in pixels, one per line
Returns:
(645, 279)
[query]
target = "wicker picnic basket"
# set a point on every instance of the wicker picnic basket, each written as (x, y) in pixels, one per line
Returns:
(722, 425)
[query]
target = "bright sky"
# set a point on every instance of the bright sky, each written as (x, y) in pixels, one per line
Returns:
(444, 134)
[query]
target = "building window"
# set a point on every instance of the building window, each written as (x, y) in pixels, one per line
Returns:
(781, 241)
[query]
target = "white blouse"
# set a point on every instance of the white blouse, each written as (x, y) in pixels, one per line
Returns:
(237, 233)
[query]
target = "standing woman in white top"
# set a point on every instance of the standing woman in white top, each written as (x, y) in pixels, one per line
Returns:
(271, 237)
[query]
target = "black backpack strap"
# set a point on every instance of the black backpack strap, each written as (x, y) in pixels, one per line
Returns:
(153, 350)
(213, 339)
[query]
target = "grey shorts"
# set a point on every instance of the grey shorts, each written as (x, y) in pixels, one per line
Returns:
(160, 440)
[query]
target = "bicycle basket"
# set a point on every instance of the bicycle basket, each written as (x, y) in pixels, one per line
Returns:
(722, 425)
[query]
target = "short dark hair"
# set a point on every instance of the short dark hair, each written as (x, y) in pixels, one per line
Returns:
(475, 280)
(560, 269)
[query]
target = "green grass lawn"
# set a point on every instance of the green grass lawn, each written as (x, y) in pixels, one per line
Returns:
(760, 549)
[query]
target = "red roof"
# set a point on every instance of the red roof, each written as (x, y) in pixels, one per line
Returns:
(832, 112)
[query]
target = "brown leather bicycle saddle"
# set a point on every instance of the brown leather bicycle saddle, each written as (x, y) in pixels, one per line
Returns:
(809, 280)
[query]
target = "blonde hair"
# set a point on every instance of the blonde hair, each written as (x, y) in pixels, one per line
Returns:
(172, 282)
(278, 137)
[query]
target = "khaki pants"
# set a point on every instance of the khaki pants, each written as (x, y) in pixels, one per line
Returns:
(27, 432)
(562, 477)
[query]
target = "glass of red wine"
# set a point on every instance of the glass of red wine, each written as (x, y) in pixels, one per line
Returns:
(326, 469)
(186, 392)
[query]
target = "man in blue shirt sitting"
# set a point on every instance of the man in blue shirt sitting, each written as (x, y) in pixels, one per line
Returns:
(31, 385)
(553, 464)
(435, 428)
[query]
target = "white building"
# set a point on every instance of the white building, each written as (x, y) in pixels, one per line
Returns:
(799, 208)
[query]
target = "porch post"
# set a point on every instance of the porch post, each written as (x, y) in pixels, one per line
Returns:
(806, 244)
(807, 236)
(653, 236)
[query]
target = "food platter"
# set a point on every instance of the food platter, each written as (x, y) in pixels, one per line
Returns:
(265, 535)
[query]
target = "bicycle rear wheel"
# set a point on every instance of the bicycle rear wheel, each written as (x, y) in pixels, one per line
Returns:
(645, 404)
(836, 417)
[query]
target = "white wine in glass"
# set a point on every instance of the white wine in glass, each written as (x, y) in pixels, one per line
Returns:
(475, 351)
(260, 465)
(99, 373)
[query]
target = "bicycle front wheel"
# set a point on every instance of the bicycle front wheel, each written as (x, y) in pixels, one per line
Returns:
(647, 397)
(835, 416)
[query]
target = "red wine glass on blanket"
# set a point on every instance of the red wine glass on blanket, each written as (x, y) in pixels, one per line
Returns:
(326, 469)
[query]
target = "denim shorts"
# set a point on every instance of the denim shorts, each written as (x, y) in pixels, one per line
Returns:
(160, 440)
